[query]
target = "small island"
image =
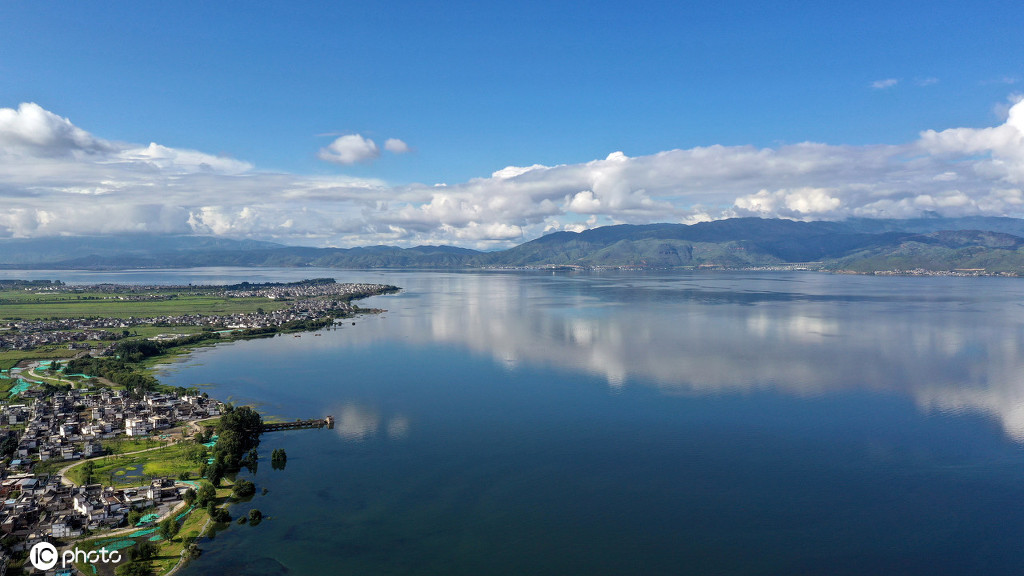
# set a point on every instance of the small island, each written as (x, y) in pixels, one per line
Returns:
(95, 453)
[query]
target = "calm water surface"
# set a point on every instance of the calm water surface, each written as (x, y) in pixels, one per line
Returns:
(635, 423)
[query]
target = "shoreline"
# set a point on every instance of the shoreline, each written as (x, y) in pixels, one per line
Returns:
(52, 381)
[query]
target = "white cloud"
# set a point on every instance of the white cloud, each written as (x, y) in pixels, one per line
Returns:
(396, 146)
(790, 203)
(583, 203)
(36, 131)
(165, 158)
(350, 149)
(1002, 109)
(885, 83)
(513, 171)
(1001, 147)
(56, 178)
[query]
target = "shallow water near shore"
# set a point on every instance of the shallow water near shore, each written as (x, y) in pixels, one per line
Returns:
(635, 423)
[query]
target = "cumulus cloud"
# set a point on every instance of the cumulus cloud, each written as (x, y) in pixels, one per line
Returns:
(1001, 147)
(791, 203)
(350, 149)
(31, 129)
(885, 83)
(164, 158)
(56, 178)
(396, 146)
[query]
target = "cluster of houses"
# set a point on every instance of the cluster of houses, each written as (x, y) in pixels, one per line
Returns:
(74, 425)
(303, 291)
(311, 302)
(37, 509)
(30, 340)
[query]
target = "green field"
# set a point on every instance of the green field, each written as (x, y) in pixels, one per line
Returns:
(36, 305)
(137, 469)
(9, 358)
(27, 305)
(123, 444)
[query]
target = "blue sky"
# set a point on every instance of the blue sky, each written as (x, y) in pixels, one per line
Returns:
(265, 89)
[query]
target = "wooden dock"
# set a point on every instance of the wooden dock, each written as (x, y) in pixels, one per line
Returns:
(300, 424)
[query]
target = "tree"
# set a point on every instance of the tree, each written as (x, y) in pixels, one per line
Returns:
(252, 461)
(134, 569)
(255, 516)
(215, 472)
(220, 515)
(190, 496)
(246, 423)
(195, 453)
(169, 528)
(133, 517)
(142, 552)
(88, 472)
(205, 495)
(278, 459)
(243, 489)
(9, 445)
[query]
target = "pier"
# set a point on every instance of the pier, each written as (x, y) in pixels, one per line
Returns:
(300, 424)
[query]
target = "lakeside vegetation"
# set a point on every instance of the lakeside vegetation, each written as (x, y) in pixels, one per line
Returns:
(205, 512)
(126, 364)
(178, 539)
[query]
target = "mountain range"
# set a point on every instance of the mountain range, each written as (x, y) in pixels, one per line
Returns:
(995, 244)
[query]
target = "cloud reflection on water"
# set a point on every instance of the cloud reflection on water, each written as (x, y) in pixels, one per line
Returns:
(951, 344)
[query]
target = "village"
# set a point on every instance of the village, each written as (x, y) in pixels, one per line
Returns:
(75, 425)
(312, 301)
(82, 456)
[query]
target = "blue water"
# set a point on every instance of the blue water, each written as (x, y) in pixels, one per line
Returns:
(637, 423)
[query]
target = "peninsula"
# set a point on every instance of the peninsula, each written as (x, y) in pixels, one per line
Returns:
(95, 453)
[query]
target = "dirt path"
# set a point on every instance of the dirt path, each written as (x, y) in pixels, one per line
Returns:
(33, 366)
(32, 372)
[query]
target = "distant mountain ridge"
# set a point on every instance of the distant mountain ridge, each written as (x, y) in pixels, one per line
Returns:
(69, 248)
(995, 244)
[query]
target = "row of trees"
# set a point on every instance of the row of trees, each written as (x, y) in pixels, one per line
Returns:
(138, 350)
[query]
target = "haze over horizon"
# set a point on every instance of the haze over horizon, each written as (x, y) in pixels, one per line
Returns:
(486, 126)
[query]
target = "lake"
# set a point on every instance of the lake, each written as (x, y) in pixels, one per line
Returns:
(632, 423)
